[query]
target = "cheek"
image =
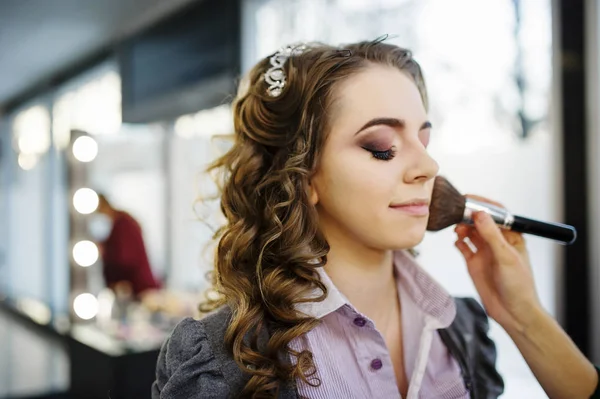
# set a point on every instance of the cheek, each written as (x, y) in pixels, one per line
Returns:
(360, 181)
(429, 186)
(356, 193)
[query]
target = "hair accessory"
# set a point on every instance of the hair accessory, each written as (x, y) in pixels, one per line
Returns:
(275, 76)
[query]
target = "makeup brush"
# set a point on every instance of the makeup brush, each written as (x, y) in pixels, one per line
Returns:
(448, 207)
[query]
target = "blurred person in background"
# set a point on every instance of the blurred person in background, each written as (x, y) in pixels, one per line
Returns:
(326, 189)
(126, 267)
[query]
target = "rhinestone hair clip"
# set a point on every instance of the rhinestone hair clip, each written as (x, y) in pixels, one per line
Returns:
(275, 76)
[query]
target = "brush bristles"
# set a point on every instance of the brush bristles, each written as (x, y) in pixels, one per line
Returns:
(447, 205)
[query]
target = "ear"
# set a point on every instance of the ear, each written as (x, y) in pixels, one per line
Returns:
(313, 195)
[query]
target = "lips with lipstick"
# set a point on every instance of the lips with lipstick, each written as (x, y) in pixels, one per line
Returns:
(413, 207)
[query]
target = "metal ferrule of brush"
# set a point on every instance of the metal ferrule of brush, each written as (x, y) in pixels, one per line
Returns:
(501, 216)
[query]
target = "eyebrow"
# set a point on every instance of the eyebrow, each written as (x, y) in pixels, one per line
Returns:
(392, 122)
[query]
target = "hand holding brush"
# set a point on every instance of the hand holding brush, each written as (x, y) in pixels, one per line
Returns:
(498, 263)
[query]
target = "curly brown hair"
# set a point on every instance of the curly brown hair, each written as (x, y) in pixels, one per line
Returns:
(271, 245)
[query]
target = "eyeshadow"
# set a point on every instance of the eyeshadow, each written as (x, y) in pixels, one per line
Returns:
(377, 141)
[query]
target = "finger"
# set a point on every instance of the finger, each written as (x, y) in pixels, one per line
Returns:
(464, 249)
(461, 233)
(478, 241)
(491, 234)
(467, 237)
(464, 231)
(518, 242)
(484, 199)
(462, 228)
(513, 238)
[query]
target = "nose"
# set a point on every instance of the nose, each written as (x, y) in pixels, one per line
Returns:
(422, 166)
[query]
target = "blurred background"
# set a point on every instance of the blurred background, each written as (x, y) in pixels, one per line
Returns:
(110, 110)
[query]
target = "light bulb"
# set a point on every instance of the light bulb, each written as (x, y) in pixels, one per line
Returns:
(85, 306)
(27, 161)
(85, 201)
(85, 149)
(85, 253)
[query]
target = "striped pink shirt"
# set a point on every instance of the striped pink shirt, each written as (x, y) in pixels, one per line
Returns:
(352, 359)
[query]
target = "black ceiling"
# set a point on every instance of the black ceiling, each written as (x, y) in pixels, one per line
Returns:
(42, 38)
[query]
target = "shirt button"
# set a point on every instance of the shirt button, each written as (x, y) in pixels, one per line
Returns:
(376, 364)
(359, 321)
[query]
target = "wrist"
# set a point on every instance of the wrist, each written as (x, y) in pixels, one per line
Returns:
(533, 319)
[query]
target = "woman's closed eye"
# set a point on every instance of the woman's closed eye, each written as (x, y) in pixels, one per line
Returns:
(384, 155)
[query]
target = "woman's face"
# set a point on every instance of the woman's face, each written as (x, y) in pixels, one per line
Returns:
(375, 178)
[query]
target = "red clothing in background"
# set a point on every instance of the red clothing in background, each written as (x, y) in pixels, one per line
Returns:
(124, 255)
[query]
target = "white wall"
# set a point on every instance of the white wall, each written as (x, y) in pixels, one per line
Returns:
(190, 235)
(26, 195)
(195, 142)
(28, 221)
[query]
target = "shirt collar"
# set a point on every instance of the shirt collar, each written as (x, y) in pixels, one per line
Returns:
(426, 293)
(332, 302)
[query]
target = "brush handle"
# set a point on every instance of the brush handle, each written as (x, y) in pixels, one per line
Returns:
(554, 231)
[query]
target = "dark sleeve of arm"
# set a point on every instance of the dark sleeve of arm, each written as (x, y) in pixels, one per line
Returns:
(128, 244)
(186, 367)
(486, 372)
(130, 257)
(480, 349)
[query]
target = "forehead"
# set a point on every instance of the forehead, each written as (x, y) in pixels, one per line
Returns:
(378, 91)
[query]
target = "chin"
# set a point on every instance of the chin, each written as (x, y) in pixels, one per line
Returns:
(407, 244)
(410, 238)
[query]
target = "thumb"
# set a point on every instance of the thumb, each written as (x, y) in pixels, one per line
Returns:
(492, 235)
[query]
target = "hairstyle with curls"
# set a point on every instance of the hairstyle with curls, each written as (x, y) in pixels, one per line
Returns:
(271, 245)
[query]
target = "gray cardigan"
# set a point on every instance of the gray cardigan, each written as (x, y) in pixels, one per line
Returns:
(194, 362)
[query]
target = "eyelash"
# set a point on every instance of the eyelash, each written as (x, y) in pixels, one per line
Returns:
(383, 155)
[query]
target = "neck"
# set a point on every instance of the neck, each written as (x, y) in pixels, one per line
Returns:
(364, 275)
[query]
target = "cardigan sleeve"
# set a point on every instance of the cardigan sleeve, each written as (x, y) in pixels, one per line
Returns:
(186, 366)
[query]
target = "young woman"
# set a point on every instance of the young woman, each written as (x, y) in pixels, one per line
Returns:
(325, 191)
